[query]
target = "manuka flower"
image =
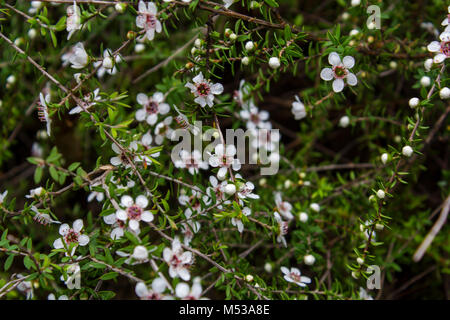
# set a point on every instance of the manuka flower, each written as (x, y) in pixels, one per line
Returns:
(224, 159)
(134, 211)
(147, 20)
(204, 90)
(237, 221)
(151, 107)
(71, 235)
(339, 71)
(178, 260)
(73, 21)
(294, 275)
(155, 293)
(191, 161)
(298, 109)
(442, 49)
(79, 58)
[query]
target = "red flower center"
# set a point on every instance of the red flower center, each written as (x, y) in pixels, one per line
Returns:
(134, 212)
(151, 107)
(150, 21)
(203, 89)
(445, 48)
(339, 72)
(295, 277)
(71, 236)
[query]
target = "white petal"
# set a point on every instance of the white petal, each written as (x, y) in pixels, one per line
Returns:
(58, 244)
(434, 46)
(348, 62)
(338, 85)
(142, 201)
(326, 74)
(351, 79)
(78, 225)
(134, 225)
(142, 99)
(121, 215)
(439, 58)
(126, 201)
(83, 240)
(334, 59)
(147, 216)
(216, 88)
(184, 274)
(140, 115)
(141, 290)
(115, 161)
(63, 229)
(182, 290)
(159, 285)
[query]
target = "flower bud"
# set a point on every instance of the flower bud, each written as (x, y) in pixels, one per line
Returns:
(425, 81)
(268, 267)
(315, 207)
(230, 189)
(428, 64)
(407, 151)
(360, 260)
(107, 63)
(245, 61)
(379, 226)
(233, 37)
(249, 278)
(384, 158)
(344, 121)
(303, 217)
(32, 33)
(120, 7)
(139, 47)
(393, 65)
(381, 194)
(309, 259)
(355, 3)
(131, 35)
(444, 93)
(414, 102)
(274, 63)
(249, 45)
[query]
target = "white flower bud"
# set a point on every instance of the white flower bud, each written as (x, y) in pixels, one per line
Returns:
(398, 139)
(315, 207)
(268, 267)
(444, 93)
(384, 158)
(233, 36)
(414, 102)
(249, 278)
(120, 7)
(262, 182)
(107, 63)
(355, 274)
(428, 64)
(344, 121)
(309, 259)
(19, 41)
(425, 81)
(249, 45)
(230, 189)
(139, 47)
(393, 65)
(345, 16)
(354, 32)
(303, 217)
(407, 151)
(360, 260)
(32, 33)
(274, 63)
(11, 79)
(370, 39)
(287, 184)
(355, 3)
(198, 43)
(381, 194)
(379, 226)
(371, 198)
(193, 50)
(245, 61)
(371, 25)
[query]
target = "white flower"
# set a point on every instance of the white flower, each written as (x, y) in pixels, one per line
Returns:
(71, 235)
(147, 20)
(183, 291)
(282, 229)
(122, 159)
(134, 211)
(344, 121)
(294, 275)
(190, 227)
(151, 107)
(442, 49)
(158, 287)
(43, 111)
(407, 151)
(42, 218)
(444, 93)
(255, 118)
(178, 260)
(89, 100)
(139, 47)
(428, 64)
(118, 226)
(25, 287)
(107, 64)
(315, 207)
(303, 217)
(246, 190)
(237, 222)
(309, 259)
(79, 58)
(298, 109)
(35, 192)
(191, 161)
(73, 21)
(339, 71)
(204, 90)
(223, 158)
(413, 102)
(384, 158)
(283, 207)
(274, 62)
(3, 196)
(265, 139)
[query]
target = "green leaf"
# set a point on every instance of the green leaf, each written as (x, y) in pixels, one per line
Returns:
(8, 262)
(109, 276)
